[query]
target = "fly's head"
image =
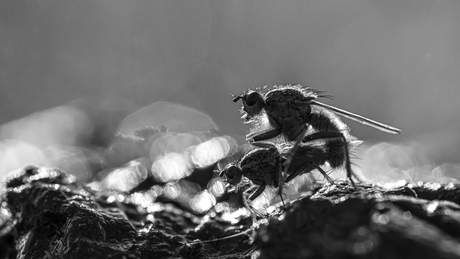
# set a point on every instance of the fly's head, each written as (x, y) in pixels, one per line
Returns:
(253, 103)
(254, 113)
(232, 174)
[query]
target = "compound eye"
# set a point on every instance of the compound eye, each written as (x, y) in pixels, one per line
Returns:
(253, 103)
(233, 174)
(253, 98)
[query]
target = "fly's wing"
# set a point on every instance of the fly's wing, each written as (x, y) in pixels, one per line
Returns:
(358, 118)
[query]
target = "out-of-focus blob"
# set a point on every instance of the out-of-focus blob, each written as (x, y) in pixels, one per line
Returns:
(147, 198)
(232, 216)
(171, 167)
(175, 156)
(125, 178)
(179, 191)
(447, 173)
(177, 118)
(189, 195)
(170, 162)
(29, 140)
(73, 160)
(387, 162)
(63, 125)
(213, 150)
(216, 186)
(172, 190)
(263, 201)
(172, 140)
(202, 202)
(302, 184)
(5, 216)
(15, 154)
(105, 114)
(178, 139)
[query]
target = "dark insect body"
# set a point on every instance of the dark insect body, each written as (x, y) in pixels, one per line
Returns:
(265, 164)
(293, 111)
(307, 157)
(289, 108)
(261, 165)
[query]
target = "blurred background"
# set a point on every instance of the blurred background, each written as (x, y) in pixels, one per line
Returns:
(72, 71)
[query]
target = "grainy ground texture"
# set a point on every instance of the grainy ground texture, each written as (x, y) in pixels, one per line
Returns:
(47, 214)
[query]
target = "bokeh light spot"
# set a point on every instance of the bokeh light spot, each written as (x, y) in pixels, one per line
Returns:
(172, 190)
(211, 151)
(172, 166)
(125, 178)
(216, 187)
(202, 202)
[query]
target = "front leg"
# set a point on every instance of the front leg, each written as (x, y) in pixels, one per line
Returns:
(266, 135)
(258, 192)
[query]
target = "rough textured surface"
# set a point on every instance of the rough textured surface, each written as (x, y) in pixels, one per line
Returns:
(47, 214)
(52, 216)
(367, 222)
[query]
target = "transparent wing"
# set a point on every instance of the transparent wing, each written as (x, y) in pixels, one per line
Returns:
(358, 118)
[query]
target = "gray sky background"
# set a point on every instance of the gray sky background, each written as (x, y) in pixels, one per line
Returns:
(397, 62)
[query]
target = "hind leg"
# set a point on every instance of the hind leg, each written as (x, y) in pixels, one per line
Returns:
(293, 150)
(278, 180)
(332, 136)
(325, 175)
(247, 203)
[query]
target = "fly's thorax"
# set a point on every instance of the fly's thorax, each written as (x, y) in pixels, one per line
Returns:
(283, 100)
(291, 96)
(288, 109)
(259, 162)
(259, 155)
(291, 93)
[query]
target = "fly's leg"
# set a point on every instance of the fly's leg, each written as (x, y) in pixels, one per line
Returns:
(247, 203)
(294, 148)
(278, 179)
(325, 175)
(259, 190)
(309, 168)
(266, 135)
(321, 136)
